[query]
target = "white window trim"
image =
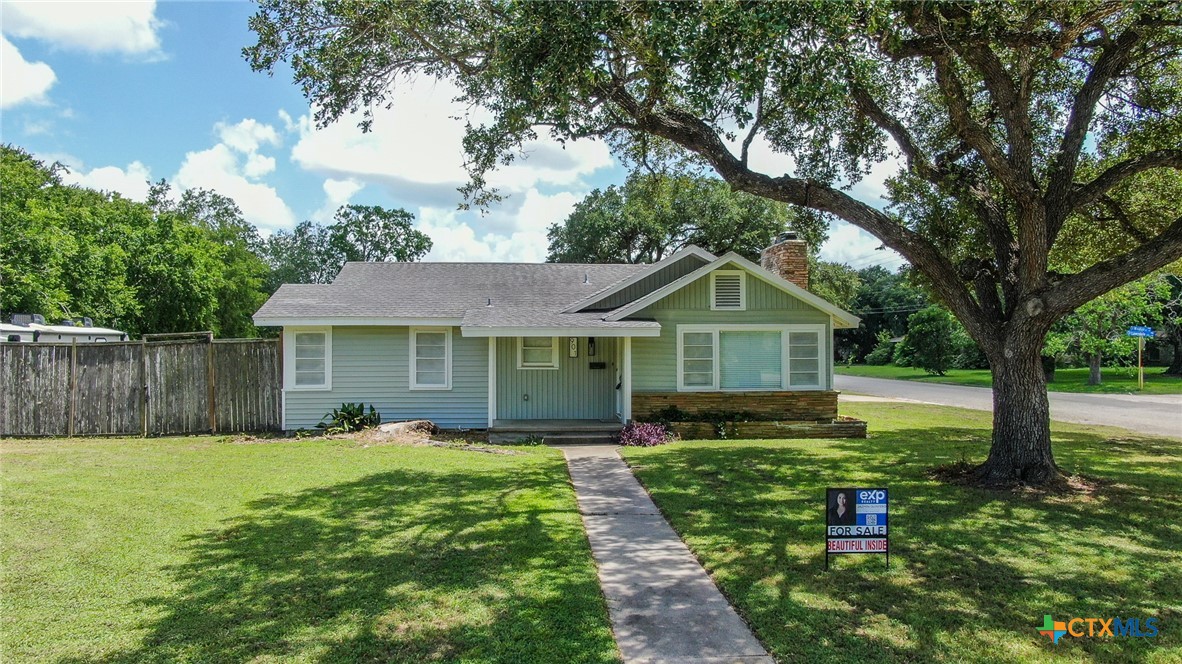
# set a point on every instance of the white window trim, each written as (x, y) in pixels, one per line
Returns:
(823, 362)
(414, 385)
(742, 290)
(289, 359)
(552, 366)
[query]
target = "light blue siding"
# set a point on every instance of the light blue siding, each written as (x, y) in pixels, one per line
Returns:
(573, 391)
(654, 359)
(371, 365)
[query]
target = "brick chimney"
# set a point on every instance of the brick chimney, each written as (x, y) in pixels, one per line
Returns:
(789, 258)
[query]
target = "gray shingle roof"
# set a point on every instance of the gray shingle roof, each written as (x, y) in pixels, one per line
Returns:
(499, 317)
(444, 290)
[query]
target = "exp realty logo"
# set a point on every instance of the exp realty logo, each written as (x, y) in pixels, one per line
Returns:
(1079, 627)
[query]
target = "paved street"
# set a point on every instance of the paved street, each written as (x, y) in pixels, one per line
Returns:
(1158, 414)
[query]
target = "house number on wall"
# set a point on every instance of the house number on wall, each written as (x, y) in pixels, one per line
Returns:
(573, 347)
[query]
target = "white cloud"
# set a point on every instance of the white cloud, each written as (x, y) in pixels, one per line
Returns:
(233, 168)
(857, 248)
(22, 81)
(522, 238)
(247, 136)
(415, 150)
(132, 182)
(96, 27)
(336, 194)
(257, 166)
(289, 125)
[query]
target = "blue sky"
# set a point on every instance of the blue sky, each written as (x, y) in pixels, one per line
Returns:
(124, 93)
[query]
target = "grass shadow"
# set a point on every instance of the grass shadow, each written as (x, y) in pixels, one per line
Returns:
(396, 566)
(972, 571)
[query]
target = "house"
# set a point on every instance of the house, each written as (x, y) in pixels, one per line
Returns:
(518, 347)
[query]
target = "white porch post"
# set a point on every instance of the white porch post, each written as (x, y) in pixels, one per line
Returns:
(627, 386)
(492, 381)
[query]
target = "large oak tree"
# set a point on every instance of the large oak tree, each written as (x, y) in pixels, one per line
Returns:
(1003, 114)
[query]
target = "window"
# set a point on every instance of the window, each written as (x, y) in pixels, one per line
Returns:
(728, 290)
(308, 358)
(537, 352)
(750, 357)
(430, 358)
(749, 360)
(697, 359)
(804, 359)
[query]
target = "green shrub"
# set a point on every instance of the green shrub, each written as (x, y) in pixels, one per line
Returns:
(883, 351)
(902, 354)
(348, 418)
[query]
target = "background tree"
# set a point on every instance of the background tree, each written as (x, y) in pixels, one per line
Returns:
(930, 334)
(1097, 330)
(314, 254)
(302, 255)
(168, 265)
(884, 300)
(373, 233)
(237, 282)
(655, 214)
(836, 282)
(990, 105)
(62, 249)
(1171, 290)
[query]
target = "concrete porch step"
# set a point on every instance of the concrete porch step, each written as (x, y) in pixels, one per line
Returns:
(580, 439)
(555, 432)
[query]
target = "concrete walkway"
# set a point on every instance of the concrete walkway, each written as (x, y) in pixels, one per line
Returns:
(663, 605)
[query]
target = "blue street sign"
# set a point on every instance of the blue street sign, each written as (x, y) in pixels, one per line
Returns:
(1140, 331)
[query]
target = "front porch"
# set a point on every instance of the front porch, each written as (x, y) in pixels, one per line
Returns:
(558, 385)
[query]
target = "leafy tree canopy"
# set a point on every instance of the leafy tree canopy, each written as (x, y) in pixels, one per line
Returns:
(930, 334)
(655, 214)
(314, 254)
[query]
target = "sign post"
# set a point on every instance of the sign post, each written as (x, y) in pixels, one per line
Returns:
(856, 522)
(1141, 332)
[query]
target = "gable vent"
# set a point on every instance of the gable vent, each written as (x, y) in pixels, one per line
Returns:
(728, 289)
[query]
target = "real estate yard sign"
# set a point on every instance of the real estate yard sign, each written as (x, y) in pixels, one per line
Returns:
(856, 522)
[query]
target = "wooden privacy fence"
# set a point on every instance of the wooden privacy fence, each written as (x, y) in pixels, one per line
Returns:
(140, 387)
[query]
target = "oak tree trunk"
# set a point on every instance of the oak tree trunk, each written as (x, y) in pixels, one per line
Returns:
(1094, 376)
(1021, 449)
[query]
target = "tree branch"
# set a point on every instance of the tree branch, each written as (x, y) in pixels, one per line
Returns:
(692, 133)
(917, 161)
(1087, 194)
(1078, 289)
(1121, 217)
(972, 133)
(754, 128)
(1112, 60)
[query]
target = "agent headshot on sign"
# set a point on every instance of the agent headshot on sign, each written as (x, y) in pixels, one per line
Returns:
(841, 512)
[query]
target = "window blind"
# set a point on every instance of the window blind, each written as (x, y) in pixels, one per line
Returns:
(749, 360)
(309, 358)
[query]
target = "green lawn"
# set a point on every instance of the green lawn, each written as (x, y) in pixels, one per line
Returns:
(1115, 380)
(203, 549)
(972, 571)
